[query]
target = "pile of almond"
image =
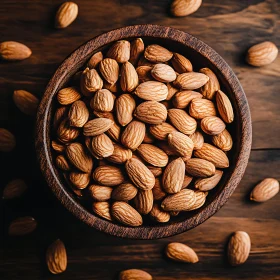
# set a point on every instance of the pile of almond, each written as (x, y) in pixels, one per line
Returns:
(141, 133)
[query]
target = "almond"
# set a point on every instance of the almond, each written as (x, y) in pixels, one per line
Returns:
(157, 171)
(134, 274)
(224, 107)
(108, 175)
(200, 168)
(136, 50)
(56, 257)
(62, 163)
(182, 121)
(149, 138)
(200, 198)
(144, 201)
(158, 215)
(126, 214)
(124, 192)
(213, 154)
(153, 155)
(11, 50)
(181, 253)
(198, 140)
(120, 154)
(144, 73)
(66, 14)
(79, 180)
(97, 126)
(163, 73)
(14, 189)
(161, 131)
(7, 140)
(90, 82)
(207, 184)
(181, 64)
(125, 105)
(139, 174)
(210, 88)
(102, 101)
(171, 91)
(191, 80)
(156, 54)
(78, 157)
(58, 147)
(102, 209)
(112, 87)
(68, 95)
(120, 51)
(187, 180)
(212, 125)
(182, 98)
(67, 133)
(158, 192)
(129, 77)
(181, 201)
(78, 114)
(60, 114)
(265, 190)
(152, 91)
(173, 176)
(181, 8)
(223, 140)
(239, 248)
(26, 102)
(102, 146)
(22, 226)
(181, 143)
(262, 54)
(167, 149)
(202, 108)
(151, 112)
(95, 60)
(109, 69)
(133, 135)
(144, 62)
(100, 193)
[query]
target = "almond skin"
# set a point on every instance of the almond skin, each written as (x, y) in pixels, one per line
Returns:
(56, 257)
(12, 51)
(181, 253)
(163, 73)
(182, 121)
(200, 198)
(124, 107)
(67, 133)
(181, 64)
(239, 248)
(109, 69)
(144, 62)
(22, 226)
(66, 14)
(108, 175)
(14, 189)
(129, 77)
(265, 190)
(143, 201)
(126, 214)
(151, 112)
(156, 54)
(97, 126)
(158, 192)
(139, 174)
(120, 51)
(207, 184)
(120, 154)
(212, 125)
(223, 140)
(149, 138)
(198, 140)
(7, 140)
(213, 154)
(102, 146)
(191, 80)
(187, 180)
(181, 201)
(144, 73)
(137, 48)
(135, 274)
(262, 54)
(158, 215)
(173, 176)
(152, 91)
(133, 135)
(202, 108)
(200, 168)
(182, 98)
(60, 114)
(79, 180)
(102, 101)
(26, 102)
(153, 155)
(62, 163)
(124, 192)
(157, 171)
(181, 8)
(90, 82)
(224, 107)
(102, 209)
(68, 95)
(95, 60)
(161, 131)
(100, 193)
(213, 85)
(78, 114)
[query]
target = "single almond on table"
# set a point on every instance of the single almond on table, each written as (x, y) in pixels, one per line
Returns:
(61, 162)
(213, 85)
(212, 125)
(90, 82)
(265, 190)
(182, 98)
(200, 168)
(207, 184)
(202, 108)
(108, 175)
(100, 193)
(126, 214)
(120, 51)
(137, 48)
(78, 114)
(11, 50)
(158, 215)
(163, 73)
(56, 257)
(124, 192)
(143, 201)
(102, 209)
(120, 154)
(181, 253)
(153, 155)
(181, 8)
(26, 102)
(181, 64)
(80, 180)
(223, 140)
(14, 189)
(161, 131)
(191, 80)
(224, 107)
(124, 107)
(109, 69)
(67, 133)
(173, 176)
(95, 60)
(102, 101)
(68, 95)
(239, 248)
(198, 140)
(66, 14)
(139, 174)
(144, 73)
(22, 226)
(134, 274)
(7, 140)
(129, 77)
(97, 126)
(152, 91)
(156, 54)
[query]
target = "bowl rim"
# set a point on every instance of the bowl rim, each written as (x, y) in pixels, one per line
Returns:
(143, 232)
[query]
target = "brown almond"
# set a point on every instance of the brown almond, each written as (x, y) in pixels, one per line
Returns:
(22, 226)
(265, 190)
(157, 171)
(134, 274)
(212, 125)
(124, 192)
(90, 82)
(171, 91)
(202, 108)
(144, 73)
(163, 73)
(58, 147)
(223, 140)
(120, 51)
(137, 48)
(102, 101)
(102, 146)
(102, 209)
(191, 80)
(187, 180)
(210, 88)
(56, 257)
(68, 95)
(139, 174)
(181, 8)
(67, 133)
(151, 112)
(173, 176)
(158, 192)
(61, 162)
(156, 54)
(79, 180)
(200, 198)
(120, 154)
(95, 60)
(167, 149)
(207, 184)
(97, 126)
(143, 201)
(152, 91)
(109, 69)
(14, 189)
(100, 193)
(124, 108)
(60, 114)
(153, 155)
(78, 114)
(7, 140)
(26, 102)
(108, 175)
(158, 215)
(198, 140)
(112, 87)
(129, 77)
(126, 214)
(181, 64)
(149, 138)
(224, 107)
(66, 14)
(161, 131)
(200, 168)
(181, 253)
(11, 50)
(144, 62)
(182, 98)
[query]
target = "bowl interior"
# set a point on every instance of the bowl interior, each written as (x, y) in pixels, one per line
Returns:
(201, 56)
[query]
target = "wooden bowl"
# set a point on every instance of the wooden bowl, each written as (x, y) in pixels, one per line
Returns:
(202, 56)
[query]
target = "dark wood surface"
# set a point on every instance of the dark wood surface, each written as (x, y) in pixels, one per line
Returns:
(230, 27)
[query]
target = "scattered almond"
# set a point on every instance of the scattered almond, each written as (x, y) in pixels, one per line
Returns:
(135, 274)
(265, 190)
(11, 50)
(181, 8)
(26, 102)
(7, 140)
(181, 253)
(66, 14)
(22, 226)
(14, 189)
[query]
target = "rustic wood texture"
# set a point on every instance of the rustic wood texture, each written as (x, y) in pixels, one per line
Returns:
(230, 27)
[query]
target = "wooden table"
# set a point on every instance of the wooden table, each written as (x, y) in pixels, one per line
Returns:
(228, 26)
